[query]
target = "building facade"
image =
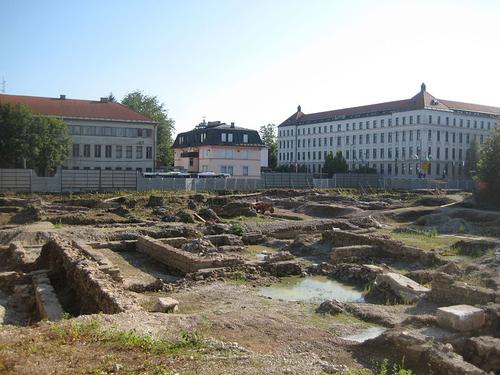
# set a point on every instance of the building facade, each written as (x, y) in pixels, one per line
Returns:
(405, 138)
(220, 148)
(104, 135)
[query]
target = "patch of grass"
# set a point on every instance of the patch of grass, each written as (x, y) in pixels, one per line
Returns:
(471, 252)
(424, 240)
(384, 368)
(60, 224)
(237, 229)
(131, 339)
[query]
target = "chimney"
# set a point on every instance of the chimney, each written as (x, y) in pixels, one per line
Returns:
(232, 124)
(62, 97)
(104, 100)
(423, 88)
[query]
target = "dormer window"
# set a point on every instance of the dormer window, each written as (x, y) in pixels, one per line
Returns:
(245, 138)
(230, 137)
(203, 136)
(223, 137)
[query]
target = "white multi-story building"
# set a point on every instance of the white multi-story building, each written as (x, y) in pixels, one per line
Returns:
(104, 135)
(400, 138)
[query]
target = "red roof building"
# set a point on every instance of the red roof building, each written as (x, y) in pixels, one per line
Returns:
(104, 135)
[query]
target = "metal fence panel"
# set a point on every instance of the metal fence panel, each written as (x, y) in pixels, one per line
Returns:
(15, 180)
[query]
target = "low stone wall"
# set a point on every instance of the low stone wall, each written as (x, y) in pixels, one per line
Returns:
(95, 290)
(174, 241)
(386, 247)
(182, 260)
(353, 253)
(447, 291)
(355, 273)
(224, 239)
(47, 304)
(289, 229)
(104, 263)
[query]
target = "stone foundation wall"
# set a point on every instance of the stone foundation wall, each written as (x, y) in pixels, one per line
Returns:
(47, 304)
(104, 263)
(386, 247)
(182, 260)
(354, 253)
(96, 291)
(355, 273)
(447, 291)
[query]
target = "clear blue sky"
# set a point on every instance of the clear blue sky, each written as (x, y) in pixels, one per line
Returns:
(252, 62)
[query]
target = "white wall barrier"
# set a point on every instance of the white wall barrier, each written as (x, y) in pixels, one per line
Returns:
(26, 180)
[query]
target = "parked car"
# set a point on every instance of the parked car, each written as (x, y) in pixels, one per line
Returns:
(174, 174)
(213, 175)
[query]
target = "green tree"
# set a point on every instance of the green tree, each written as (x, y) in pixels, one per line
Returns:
(472, 158)
(41, 142)
(48, 143)
(15, 122)
(339, 163)
(268, 135)
(329, 167)
(151, 107)
(488, 169)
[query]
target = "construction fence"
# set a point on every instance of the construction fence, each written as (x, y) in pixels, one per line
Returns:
(64, 181)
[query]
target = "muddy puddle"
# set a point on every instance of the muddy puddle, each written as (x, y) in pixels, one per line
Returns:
(312, 289)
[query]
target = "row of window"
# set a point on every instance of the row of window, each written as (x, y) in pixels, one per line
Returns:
(109, 131)
(224, 137)
(374, 124)
(374, 138)
(374, 153)
(120, 151)
(229, 169)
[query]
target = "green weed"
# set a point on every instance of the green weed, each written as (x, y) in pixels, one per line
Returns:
(131, 339)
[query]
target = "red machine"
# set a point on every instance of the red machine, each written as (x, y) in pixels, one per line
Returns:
(262, 207)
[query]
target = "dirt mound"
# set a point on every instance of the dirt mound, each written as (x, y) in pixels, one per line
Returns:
(30, 234)
(327, 210)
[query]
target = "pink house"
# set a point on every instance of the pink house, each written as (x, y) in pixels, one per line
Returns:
(220, 148)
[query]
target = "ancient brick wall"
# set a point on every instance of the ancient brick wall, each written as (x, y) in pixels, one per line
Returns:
(447, 291)
(387, 247)
(96, 291)
(179, 259)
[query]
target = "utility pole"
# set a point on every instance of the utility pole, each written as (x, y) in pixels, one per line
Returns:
(3, 85)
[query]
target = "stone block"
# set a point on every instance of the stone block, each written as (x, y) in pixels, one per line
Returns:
(402, 286)
(460, 317)
(166, 305)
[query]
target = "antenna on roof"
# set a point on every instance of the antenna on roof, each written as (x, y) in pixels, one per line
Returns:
(3, 84)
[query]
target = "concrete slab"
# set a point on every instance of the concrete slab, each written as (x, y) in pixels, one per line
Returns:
(166, 305)
(460, 317)
(402, 286)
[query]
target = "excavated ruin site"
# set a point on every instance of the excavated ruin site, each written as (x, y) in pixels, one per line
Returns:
(330, 282)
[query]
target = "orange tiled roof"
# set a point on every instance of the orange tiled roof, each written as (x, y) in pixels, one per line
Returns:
(75, 108)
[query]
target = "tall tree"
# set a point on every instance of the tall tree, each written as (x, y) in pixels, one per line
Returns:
(151, 107)
(488, 169)
(15, 122)
(268, 135)
(472, 158)
(329, 167)
(48, 143)
(339, 163)
(41, 142)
